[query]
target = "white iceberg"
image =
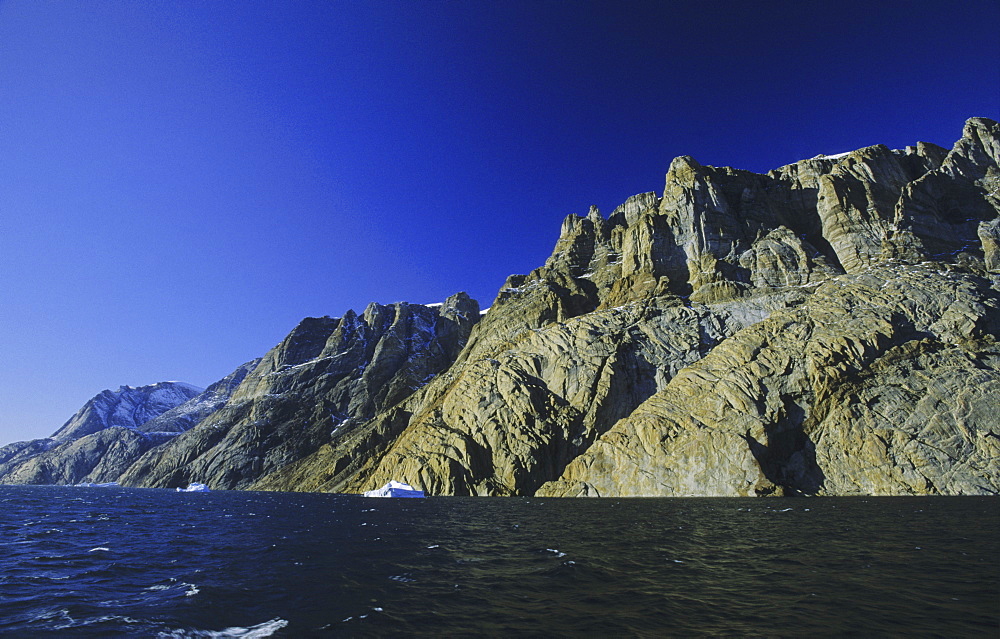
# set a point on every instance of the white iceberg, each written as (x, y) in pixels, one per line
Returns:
(194, 487)
(395, 489)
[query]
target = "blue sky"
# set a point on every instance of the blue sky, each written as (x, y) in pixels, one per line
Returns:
(182, 182)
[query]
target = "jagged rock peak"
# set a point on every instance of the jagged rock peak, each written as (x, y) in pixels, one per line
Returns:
(830, 327)
(983, 140)
(980, 127)
(314, 388)
(128, 407)
(682, 164)
(629, 211)
(460, 306)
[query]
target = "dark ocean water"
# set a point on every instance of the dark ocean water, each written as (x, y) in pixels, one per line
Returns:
(108, 562)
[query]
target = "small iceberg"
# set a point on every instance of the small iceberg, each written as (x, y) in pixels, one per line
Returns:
(395, 489)
(110, 484)
(194, 487)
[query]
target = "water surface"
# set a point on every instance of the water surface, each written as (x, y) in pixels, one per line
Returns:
(132, 562)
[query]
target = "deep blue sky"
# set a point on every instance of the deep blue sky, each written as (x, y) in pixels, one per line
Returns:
(182, 182)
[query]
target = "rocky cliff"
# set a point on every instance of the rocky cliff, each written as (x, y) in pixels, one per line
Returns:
(829, 327)
(327, 377)
(324, 378)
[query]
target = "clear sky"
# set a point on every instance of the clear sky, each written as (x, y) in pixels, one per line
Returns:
(182, 182)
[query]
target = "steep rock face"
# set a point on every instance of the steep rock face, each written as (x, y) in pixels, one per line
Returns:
(830, 327)
(14, 454)
(103, 455)
(502, 424)
(326, 376)
(938, 214)
(989, 235)
(740, 334)
(184, 416)
(881, 383)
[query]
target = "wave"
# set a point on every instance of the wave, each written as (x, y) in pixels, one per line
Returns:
(259, 631)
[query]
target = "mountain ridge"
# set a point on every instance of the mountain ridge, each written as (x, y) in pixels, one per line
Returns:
(829, 327)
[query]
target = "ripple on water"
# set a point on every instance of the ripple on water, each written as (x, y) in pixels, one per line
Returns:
(303, 565)
(265, 629)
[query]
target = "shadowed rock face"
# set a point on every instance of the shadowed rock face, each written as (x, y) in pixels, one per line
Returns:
(827, 328)
(327, 376)
(830, 327)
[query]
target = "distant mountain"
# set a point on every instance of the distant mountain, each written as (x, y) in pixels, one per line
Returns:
(112, 431)
(184, 416)
(126, 407)
(828, 328)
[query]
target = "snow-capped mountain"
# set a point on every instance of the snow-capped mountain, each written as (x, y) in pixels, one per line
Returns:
(127, 407)
(183, 416)
(113, 430)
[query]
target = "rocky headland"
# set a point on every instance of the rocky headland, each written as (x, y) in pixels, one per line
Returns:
(827, 328)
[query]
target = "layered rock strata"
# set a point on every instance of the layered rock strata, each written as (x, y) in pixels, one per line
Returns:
(326, 377)
(826, 328)
(884, 382)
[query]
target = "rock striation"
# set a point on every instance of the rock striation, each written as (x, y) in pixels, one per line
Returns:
(316, 386)
(830, 327)
(884, 382)
(827, 328)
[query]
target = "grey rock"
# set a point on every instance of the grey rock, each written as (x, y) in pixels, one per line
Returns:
(324, 378)
(127, 407)
(184, 416)
(108, 434)
(97, 458)
(14, 454)
(989, 236)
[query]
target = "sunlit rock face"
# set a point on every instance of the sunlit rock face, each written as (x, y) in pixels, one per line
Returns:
(884, 382)
(827, 328)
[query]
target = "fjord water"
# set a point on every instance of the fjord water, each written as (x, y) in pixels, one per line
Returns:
(127, 562)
